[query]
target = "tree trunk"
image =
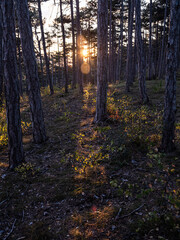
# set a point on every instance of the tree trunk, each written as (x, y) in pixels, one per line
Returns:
(121, 27)
(44, 48)
(171, 69)
(19, 65)
(141, 60)
(39, 133)
(110, 44)
(73, 47)
(150, 42)
(64, 49)
(78, 42)
(101, 99)
(16, 154)
(40, 58)
(129, 74)
(163, 43)
(1, 58)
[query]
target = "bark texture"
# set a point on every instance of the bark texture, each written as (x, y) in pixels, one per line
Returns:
(78, 41)
(140, 53)
(39, 133)
(16, 154)
(1, 58)
(171, 69)
(64, 49)
(150, 40)
(102, 61)
(73, 46)
(129, 74)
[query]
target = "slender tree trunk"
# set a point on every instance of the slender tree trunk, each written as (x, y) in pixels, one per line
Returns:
(40, 58)
(16, 154)
(78, 42)
(64, 49)
(44, 48)
(19, 66)
(171, 69)
(110, 44)
(73, 46)
(121, 36)
(101, 99)
(163, 43)
(129, 74)
(150, 42)
(1, 58)
(141, 60)
(39, 133)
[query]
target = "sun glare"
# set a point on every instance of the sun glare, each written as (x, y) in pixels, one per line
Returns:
(85, 52)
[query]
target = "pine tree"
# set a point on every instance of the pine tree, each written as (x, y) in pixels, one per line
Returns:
(16, 154)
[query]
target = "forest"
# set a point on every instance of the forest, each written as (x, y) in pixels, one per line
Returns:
(89, 119)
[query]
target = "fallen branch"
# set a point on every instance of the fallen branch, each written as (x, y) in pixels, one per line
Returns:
(135, 210)
(11, 230)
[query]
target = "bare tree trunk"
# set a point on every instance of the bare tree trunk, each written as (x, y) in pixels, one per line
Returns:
(171, 69)
(140, 53)
(39, 133)
(44, 48)
(150, 42)
(1, 58)
(64, 49)
(110, 44)
(163, 43)
(121, 36)
(129, 75)
(78, 42)
(101, 99)
(19, 65)
(40, 58)
(73, 46)
(16, 154)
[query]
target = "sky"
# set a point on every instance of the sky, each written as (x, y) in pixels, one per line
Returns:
(51, 11)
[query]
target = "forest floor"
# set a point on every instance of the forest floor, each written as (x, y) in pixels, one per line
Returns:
(93, 182)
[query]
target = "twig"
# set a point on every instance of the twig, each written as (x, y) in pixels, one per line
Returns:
(117, 216)
(3, 201)
(11, 230)
(137, 209)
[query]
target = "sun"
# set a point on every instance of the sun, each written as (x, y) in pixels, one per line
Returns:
(85, 51)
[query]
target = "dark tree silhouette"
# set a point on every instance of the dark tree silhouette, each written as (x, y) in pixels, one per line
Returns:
(140, 53)
(171, 68)
(44, 48)
(16, 154)
(64, 48)
(78, 42)
(39, 133)
(102, 61)
(73, 45)
(1, 58)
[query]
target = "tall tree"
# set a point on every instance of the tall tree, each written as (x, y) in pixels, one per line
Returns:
(129, 74)
(64, 48)
(44, 48)
(163, 42)
(150, 40)
(110, 44)
(1, 58)
(101, 99)
(78, 42)
(140, 53)
(73, 45)
(39, 133)
(16, 154)
(171, 69)
(120, 44)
